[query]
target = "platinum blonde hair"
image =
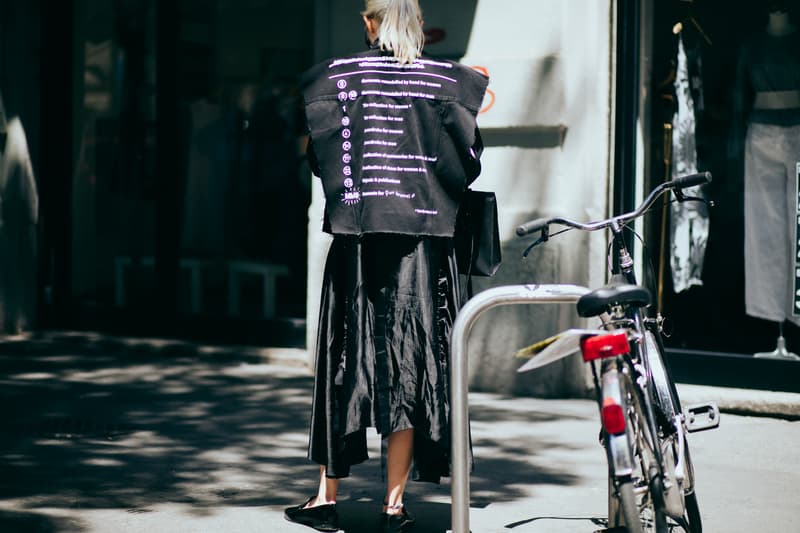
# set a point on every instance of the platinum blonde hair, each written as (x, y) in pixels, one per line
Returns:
(399, 27)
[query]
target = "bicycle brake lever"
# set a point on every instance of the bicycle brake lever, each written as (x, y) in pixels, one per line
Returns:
(543, 237)
(683, 198)
(709, 203)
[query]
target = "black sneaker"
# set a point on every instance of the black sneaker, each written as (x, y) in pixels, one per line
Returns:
(321, 517)
(396, 523)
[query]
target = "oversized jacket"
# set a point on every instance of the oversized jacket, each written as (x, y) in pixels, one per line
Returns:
(395, 145)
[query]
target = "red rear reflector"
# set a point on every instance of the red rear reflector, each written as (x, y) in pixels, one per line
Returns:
(613, 417)
(601, 346)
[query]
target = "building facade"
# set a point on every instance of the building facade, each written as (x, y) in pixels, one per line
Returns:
(166, 143)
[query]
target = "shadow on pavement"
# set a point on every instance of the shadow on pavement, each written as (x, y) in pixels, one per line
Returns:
(92, 422)
(35, 523)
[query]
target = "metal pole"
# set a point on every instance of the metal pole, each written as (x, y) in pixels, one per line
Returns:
(459, 379)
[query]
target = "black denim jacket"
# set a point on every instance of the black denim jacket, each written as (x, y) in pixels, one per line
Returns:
(395, 145)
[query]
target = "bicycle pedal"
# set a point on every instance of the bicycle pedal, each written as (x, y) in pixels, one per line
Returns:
(701, 416)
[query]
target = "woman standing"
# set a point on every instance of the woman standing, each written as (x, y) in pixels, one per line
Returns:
(394, 139)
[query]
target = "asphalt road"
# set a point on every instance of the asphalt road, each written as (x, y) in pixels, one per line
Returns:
(107, 436)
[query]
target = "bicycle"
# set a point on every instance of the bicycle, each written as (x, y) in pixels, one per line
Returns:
(644, 428)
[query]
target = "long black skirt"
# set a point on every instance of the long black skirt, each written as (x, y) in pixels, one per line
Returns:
(388, 305)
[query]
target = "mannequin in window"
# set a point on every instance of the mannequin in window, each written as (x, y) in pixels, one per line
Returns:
(767, 112)
(19, 207)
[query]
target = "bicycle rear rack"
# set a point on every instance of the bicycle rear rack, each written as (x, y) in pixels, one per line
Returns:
(459, 379)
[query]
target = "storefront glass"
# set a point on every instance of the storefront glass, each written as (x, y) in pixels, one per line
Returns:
(236, 197)
(245, 197)
(114, 183)
(719, 84)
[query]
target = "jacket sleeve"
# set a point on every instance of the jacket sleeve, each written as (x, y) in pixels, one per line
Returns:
(311, 156)
(472, 165)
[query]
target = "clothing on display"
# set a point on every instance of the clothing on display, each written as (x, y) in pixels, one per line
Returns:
(689, 220)
(768, 102)
(768, 80)
(19, 215)
(770, 176)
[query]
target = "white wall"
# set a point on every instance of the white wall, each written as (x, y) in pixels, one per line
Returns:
(549, 67)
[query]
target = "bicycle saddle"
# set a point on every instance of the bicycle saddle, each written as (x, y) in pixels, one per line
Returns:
(598, 301)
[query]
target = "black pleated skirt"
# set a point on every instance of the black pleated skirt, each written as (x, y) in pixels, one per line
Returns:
(388, 305)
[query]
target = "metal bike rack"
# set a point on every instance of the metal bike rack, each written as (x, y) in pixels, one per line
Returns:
(459, 379)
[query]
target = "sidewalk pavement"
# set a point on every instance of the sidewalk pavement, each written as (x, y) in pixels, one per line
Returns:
(109, 435)
(749, 402)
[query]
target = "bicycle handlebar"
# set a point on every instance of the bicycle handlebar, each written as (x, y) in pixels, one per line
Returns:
(532, 226)
(679, 183)
(690, 180)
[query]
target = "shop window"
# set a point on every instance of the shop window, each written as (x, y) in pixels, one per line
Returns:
(729, 278)
(242, 194)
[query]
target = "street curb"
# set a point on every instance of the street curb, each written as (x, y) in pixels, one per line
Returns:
(749, 402)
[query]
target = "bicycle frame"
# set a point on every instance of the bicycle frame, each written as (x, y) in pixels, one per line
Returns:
(628, 380)
(638, 383)
(470, 312)
(662, 410)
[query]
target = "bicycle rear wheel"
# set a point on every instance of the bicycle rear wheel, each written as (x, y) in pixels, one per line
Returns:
(646, 513)
(629, 507)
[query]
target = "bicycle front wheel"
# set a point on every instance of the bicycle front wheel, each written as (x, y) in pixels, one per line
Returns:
(693, 522)
(680, 499)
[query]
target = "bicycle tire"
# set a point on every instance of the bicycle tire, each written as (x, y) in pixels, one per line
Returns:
(694, 524)
(669, 404)
(629, 507)
(665, 395)
(659, 519)
(634, 517)
(646, 477)
(692, 521)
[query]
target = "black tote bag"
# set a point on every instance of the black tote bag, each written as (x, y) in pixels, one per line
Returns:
(477, 235)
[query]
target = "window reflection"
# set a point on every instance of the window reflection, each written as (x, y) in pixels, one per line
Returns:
(243, 194)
